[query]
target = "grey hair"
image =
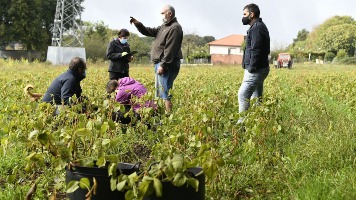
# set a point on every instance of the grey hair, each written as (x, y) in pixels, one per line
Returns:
(173, 11)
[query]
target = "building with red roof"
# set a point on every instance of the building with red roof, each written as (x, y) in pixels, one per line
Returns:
(227, 50)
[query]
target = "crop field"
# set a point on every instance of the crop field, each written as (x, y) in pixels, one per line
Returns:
(300, 143)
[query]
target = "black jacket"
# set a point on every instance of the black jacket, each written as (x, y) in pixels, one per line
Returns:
(168, 41)
(257, 47)
(63, 87)
(118, 63)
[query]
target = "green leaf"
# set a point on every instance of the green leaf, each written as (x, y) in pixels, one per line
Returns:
(205, 118)
(43, 139)
(28, 168)
(112, 125)
(112, 169)
(146, 188)
(132, 179)
(177, 162)
(101, 161)
(105, 142)
(179, 180)
(147, 178)
(72, 186)
(120, 186)
(87, 162)
(202, 150)
(32, 134)
(104, 127)
(157, 185)
(82, 132)
(209, 130)
(11, 178)
(113, 182)
(84, 183)
(129, 195)
(194, 183)
(113, 158)
(90, 125)
(248, 190)
(106, 103)
(29, 157)
(210, 170)
(97, 125)
(220, 162)
(35, 157)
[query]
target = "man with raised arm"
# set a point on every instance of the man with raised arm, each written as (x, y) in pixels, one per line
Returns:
(166, 51)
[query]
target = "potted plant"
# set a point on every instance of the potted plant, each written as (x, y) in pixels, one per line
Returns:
(168, 179)
(83, 142)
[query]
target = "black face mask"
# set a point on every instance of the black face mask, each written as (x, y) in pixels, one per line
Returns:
(246, 20)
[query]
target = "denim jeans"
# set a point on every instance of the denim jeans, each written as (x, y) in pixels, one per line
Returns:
(251, 87)
(164, 82)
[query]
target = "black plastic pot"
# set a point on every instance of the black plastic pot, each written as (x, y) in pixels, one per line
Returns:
(103, 190)
(171, 192)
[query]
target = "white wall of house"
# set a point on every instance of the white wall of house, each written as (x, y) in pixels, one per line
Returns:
(224, 50)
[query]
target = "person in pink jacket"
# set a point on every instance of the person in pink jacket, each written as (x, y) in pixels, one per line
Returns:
(128, 90)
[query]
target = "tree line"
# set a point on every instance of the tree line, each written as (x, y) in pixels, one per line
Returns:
(334, 39)
(98, 35)
(30, 23)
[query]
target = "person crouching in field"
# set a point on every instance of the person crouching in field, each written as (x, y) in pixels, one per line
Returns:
(127, 90)
(66, 85)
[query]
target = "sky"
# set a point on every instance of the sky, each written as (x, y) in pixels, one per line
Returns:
(220, 18)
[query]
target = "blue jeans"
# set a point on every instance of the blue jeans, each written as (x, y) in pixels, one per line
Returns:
(164, 82)
(251, 87)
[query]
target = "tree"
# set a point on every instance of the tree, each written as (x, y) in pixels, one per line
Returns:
(208, 39)
(338, 37)
(4, 22)
(336, 20)
(302, 36)
(96, 35)
(28, 32)
(194, 46)
(200, 52)
(27, 21)
(143, 46)
(338, 32)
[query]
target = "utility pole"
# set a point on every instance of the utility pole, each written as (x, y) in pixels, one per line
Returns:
(66, 29)
(67, 33)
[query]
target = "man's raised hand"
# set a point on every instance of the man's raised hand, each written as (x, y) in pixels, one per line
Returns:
(133, 20)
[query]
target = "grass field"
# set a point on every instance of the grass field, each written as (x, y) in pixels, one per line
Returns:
(299, 144)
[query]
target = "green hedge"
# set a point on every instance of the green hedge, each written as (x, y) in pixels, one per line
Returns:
(347, 61)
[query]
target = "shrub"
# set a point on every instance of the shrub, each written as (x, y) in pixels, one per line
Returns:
(348, 61)
(329, 56)
(341, 54)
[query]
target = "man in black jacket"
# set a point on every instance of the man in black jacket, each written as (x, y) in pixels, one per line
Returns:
(166, 51)
(118, 53)
(255, 58)
(67, 84)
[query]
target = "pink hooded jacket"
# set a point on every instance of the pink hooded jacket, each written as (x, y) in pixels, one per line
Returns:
(129, 87)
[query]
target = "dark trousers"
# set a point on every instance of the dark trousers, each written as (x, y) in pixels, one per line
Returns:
(118, 75)
(120, 117)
